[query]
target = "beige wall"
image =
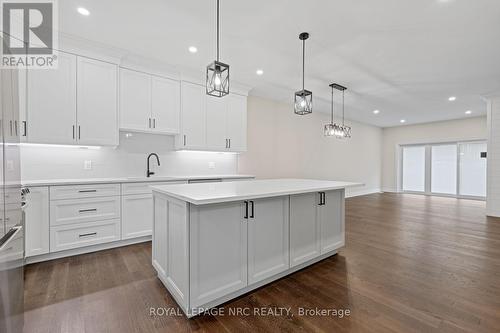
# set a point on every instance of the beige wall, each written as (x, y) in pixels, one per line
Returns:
(282, 144)
(453, 130)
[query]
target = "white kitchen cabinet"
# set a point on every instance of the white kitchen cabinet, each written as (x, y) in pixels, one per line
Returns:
(305, 228)
(193, 133)
(51, 103)
(217, 138)
(218, 251)
(135, 100)
(236, 122)
(97, 111)
(137, 215)
(149, 103)
(165, 105)
(331, 216)
(37, 222)
(268, 235)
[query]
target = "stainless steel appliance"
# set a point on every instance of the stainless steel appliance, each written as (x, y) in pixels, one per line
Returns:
(11, 217)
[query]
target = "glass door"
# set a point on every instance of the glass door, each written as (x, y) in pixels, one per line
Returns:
(413, 179)
(444, 169)
(472, 169)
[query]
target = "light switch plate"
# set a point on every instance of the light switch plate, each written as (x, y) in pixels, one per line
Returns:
(87, 165)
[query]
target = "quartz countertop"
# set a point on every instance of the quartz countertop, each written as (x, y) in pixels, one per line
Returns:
(83, 181)
(209, 193)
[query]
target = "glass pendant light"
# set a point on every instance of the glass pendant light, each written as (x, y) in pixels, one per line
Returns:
(217, 72)
(339, 131)
(303, 98)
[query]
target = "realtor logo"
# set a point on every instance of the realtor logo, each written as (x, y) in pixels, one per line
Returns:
(28, 34)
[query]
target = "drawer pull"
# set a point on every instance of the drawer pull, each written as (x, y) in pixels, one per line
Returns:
(86, 191)
(87, 235)
(87, 210)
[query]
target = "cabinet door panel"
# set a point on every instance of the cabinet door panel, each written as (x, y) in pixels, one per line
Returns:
(193, 116)
(268, 239)
(97, 112)
(135, 100)
(51, 111)
(137, 215)
(218, 250)
(37, 222)
(165, 105)
(237, 122)
(332, 222)
(216, 123)
(304, 228)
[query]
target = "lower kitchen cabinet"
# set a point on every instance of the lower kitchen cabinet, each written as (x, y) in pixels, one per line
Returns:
(218, 251)
(137, 215)
(304, 228)
(316, 225)
(72, 236)
(331, 216)
(37, 222)
(268, 226)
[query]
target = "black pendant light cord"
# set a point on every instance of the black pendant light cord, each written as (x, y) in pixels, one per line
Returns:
(303, 62)
(343, 111)
(332, 107)
(217, 30)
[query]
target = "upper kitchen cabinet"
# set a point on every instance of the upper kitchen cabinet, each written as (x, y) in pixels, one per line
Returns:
(149, 103)
(73, 104)
(97, 110)
(194, 118)
(211, 123)
(51, 103)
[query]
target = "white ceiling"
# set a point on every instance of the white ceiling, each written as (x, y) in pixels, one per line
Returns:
(402, 57)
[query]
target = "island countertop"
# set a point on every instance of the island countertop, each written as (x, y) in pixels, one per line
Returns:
(202, 194)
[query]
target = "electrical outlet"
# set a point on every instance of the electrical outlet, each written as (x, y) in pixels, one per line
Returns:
(211, 165)
(87, 165)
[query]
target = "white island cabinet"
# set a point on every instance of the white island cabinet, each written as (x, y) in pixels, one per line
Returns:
(214, 242)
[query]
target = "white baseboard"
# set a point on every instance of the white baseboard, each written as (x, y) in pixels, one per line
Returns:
(389, 190)
(357, 193)
(87, 249)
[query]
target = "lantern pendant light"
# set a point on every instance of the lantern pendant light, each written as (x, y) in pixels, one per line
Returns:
(217, 72)
(303, 98)
(339, 131)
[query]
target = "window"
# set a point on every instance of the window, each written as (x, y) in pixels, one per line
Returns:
(414, 168)
(444, 169)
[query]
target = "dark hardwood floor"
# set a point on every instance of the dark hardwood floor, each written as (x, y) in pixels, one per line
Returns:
(411, 264)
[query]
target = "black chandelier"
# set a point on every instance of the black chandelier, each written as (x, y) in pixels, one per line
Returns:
(340, 131)
(217, 72)
(303, 98)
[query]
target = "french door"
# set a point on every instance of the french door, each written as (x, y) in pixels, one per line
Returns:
(449, 169)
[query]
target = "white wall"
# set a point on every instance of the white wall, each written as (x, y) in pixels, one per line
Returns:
(128, 160)
(493, 184)
(282, 144)
(452, 130)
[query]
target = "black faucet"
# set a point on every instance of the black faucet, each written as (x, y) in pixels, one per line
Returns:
(149, 173)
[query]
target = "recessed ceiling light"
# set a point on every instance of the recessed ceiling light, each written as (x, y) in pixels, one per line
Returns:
(468, 112)
(193, 49)
(83, 11)
(452, 99)
(376, 111)
(259, 72)
(402, 121)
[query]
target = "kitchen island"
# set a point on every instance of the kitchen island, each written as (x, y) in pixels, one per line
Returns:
(214, 242)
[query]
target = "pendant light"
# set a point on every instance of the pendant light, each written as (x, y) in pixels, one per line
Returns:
(303, 98)
(217, 72)
(339, 131)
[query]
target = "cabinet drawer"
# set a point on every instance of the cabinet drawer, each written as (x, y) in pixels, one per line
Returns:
(144, 188)
(73, 236)
(84, 191)
(84, 210)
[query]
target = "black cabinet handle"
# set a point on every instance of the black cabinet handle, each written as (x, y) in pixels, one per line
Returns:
(25, 133)
(86, 191)
(246, 210)
(87, 210)
(252, 214)
(322, 199)
(87, 235)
